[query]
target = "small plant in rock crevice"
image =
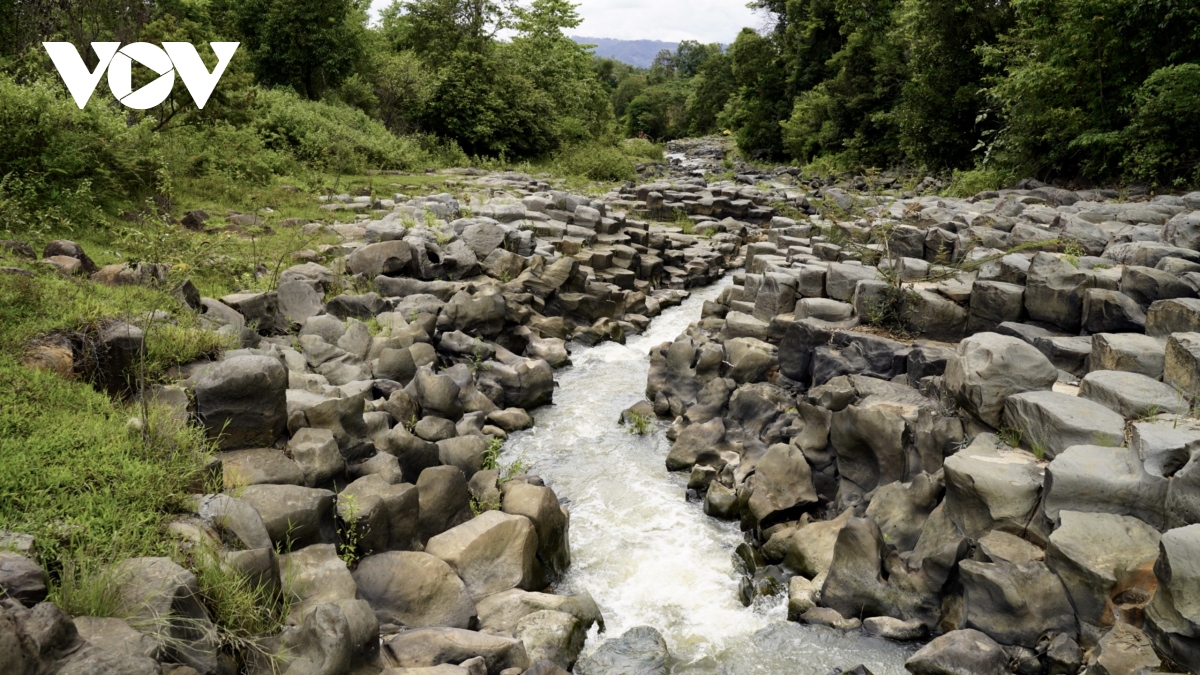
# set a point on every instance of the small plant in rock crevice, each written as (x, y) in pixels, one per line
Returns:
(491, 456)
(1011, 436)
(349, 534)
(639, 424)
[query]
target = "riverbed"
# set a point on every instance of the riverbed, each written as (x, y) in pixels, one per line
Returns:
(648, 556)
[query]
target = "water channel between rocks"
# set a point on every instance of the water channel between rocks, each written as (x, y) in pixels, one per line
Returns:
(646, 555)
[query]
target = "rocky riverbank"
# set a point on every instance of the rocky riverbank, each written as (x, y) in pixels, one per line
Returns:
(970, 421)
(359, 428)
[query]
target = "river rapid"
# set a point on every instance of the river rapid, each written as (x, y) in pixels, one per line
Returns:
(646, 555)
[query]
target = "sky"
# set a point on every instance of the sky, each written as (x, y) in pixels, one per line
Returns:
(669, 20)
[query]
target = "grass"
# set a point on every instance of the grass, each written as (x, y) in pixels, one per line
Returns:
(74, 476)
(639, 424)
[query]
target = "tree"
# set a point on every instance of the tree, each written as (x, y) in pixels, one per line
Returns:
(310, 45)
(434, 28)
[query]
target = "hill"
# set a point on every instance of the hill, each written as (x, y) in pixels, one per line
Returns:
(639, 53)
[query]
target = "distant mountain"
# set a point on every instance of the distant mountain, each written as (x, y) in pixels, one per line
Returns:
(639, 53)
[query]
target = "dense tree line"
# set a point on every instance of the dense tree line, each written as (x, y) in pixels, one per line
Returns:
(1086, 90)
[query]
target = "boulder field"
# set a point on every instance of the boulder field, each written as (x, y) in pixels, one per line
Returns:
(967, 421)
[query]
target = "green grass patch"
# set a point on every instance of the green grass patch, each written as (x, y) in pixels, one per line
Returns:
(75, 475)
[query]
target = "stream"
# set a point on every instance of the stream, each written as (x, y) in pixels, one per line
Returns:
(646, 555)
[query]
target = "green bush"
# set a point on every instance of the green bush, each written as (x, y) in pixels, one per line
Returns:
(53, 153)
(605, 161)
(331, 136)
(1163, 139)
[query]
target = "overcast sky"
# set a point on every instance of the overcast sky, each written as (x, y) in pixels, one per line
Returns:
(670, 20)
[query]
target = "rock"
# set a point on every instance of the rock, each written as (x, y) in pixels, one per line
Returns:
(150, 590)
(1180, 315)
(21, 579)
(492, 552)
(824, 616)
(428, 647)
(895, 629)
(234, 518)
(1128, 352)
(1063, 655)
(989, 368)
(640, 651)
(463, 452)
(1052, 422)
(387, 258)
(317, 578)
(960, 652)
(1054, 292)
(900, 509)
(1146, 285)
(320, 645)
(809, 549)
(500, 612)
(445, 501)
(841, 279)
(242, 401)
(997, 301)
(1173, 616)
(1100, 556)
(261, 466)
(781, 483)
(316, 452)
(550, 520)
(802, 596)
(1131, 395)
(298, 301)
(294, 514)
(96, 661)
(116, 635)
(1106, 311)
(437, 394)
(69, 249)
(1104, 480)
(414, 589)
(1124, 649)
(18, 652)
(261, 311)
(1181, 366)
(385, 515)
(552, 636)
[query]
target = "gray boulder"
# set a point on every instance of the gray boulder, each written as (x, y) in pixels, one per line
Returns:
(989, 368)
(960, 652)
(1052, 422)
(427, 647)
(1181, 365)
(1129, 352)
(1124, 649)
(1054, 291)
(384, 515)
(1173, 617)
(1106, 311)
(492, 552)
(21, 579)
(387, 258)
(292, 514)
(414, 589)
(550, 520)
(640, 651)
(1015, 604)
(552, 636)
(1180, 315)
(781, 484)
(1104, 480)
(445, 500)
(1132, 395)
(242, 402)
(1099, 556)
(989, 489)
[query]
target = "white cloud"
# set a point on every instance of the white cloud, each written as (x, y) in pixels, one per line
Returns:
(670, 20)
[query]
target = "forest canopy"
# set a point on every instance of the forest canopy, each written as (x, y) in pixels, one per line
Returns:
(1083, 91)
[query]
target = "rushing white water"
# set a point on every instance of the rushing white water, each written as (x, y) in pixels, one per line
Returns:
(645, 554)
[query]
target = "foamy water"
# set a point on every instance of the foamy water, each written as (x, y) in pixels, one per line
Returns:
(645, 554)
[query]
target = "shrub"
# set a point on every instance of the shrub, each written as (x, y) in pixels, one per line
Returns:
(1163, 138)
(596, 161)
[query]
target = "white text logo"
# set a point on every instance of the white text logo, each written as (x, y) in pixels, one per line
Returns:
(171, 58)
